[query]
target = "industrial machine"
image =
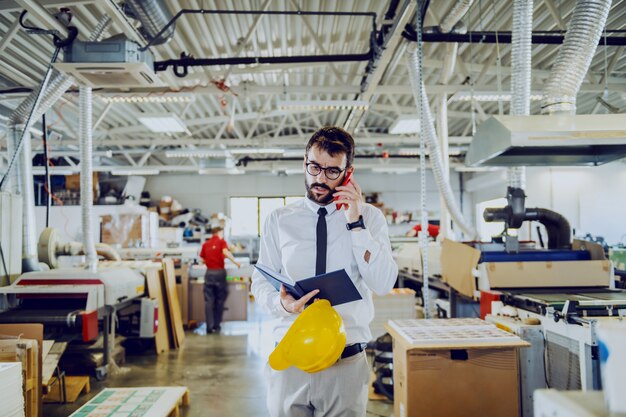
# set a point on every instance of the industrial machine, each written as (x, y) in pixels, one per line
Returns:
(76, 304)
(552, 298)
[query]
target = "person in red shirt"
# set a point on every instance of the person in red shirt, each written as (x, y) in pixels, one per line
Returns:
(433, 230)
(212, 254)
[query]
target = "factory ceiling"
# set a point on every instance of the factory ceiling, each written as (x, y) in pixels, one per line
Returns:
(263, 113)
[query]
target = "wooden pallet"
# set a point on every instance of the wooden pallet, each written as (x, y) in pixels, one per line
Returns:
(74, 387)
(183, 401)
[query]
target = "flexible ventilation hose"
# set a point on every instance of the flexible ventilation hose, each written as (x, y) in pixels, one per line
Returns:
(521, 74)
(428, 131)
(574, 57)
(23, 173)
(86, 176)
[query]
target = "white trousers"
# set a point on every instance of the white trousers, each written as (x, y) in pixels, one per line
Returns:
(339, 391)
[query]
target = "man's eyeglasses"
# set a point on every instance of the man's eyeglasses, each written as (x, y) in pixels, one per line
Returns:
(332, 173)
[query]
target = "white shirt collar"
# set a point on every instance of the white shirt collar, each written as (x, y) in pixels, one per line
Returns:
(313, 206)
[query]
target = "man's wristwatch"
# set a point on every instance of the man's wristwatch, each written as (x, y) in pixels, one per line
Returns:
(356, 224)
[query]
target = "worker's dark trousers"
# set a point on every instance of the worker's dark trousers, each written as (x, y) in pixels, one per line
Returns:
(215, 293)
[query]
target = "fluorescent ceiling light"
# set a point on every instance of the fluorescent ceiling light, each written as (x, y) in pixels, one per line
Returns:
(256, 151)
(135, 172)
(196, 153)
(56, 171)
(452, 151)
(216, 171)
(163, 123)
(488, 96)
(404, 124)
(394, 170)
(169, 97)
(294, 171)
(322, 104)
(477, 169)
(75, 154)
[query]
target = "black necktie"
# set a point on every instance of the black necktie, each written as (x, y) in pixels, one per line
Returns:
(320, 259)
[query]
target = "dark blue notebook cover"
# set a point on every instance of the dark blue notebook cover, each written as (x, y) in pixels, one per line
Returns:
(335, 286)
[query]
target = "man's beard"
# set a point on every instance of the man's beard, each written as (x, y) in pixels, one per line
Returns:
(312, 196)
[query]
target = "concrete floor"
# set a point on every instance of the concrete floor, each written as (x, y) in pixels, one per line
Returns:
(224, 373)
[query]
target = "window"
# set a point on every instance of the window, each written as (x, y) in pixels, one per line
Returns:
(244, 215)
(266, 206)
(248, 214)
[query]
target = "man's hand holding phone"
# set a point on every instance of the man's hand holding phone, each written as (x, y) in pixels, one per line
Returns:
(348, 195)
(292, 305)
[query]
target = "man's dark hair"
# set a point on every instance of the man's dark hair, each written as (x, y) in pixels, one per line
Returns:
(333, 140)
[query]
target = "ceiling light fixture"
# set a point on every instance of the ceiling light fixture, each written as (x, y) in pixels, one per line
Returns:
(322, 104)
(163, 123)
(240, 151)
(405, 124)
(135, 172)
(488, 96)
(394, 170)
(196, 153)
(148, 98)
(217, 171)
(56, 171)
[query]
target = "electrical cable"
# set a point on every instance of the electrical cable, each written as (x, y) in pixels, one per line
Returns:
(47, 172)
(423, 234)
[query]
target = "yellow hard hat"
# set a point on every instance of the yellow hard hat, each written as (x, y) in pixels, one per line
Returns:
(314, 341)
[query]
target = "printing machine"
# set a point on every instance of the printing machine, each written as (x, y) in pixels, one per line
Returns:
(73, 303)
(552, 298)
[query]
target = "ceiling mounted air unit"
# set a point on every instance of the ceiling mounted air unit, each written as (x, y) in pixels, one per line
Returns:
(116, 62)
(562, 140)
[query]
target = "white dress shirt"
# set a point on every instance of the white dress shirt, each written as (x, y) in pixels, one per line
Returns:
(288, 245)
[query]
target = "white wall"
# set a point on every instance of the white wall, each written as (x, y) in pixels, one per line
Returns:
(592, 199)
(211, 193)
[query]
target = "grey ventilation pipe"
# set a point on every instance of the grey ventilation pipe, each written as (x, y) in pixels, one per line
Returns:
(521, 72)
(557, 226)
(458, 11)
(153, 15)
(574, 57)
(448, 23)
(22, 175)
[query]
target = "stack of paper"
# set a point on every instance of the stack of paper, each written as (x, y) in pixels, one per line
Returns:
(11, 394)
(398, 304)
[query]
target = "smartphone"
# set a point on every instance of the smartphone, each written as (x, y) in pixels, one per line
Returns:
(346, 181)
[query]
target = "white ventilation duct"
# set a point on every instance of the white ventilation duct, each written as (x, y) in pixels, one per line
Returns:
(153, 15)
(86, 176)
(428, 130)
(574, 57)
(521, 73)
(458, 11)
(22, 174)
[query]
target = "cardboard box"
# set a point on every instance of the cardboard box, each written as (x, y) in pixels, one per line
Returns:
(72, 182)
(126, 230)
(235, 307)
(438, 374)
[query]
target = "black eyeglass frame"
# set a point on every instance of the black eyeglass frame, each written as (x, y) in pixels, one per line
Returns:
(325, 170)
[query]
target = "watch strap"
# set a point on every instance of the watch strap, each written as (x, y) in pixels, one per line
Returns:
(356, 224)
